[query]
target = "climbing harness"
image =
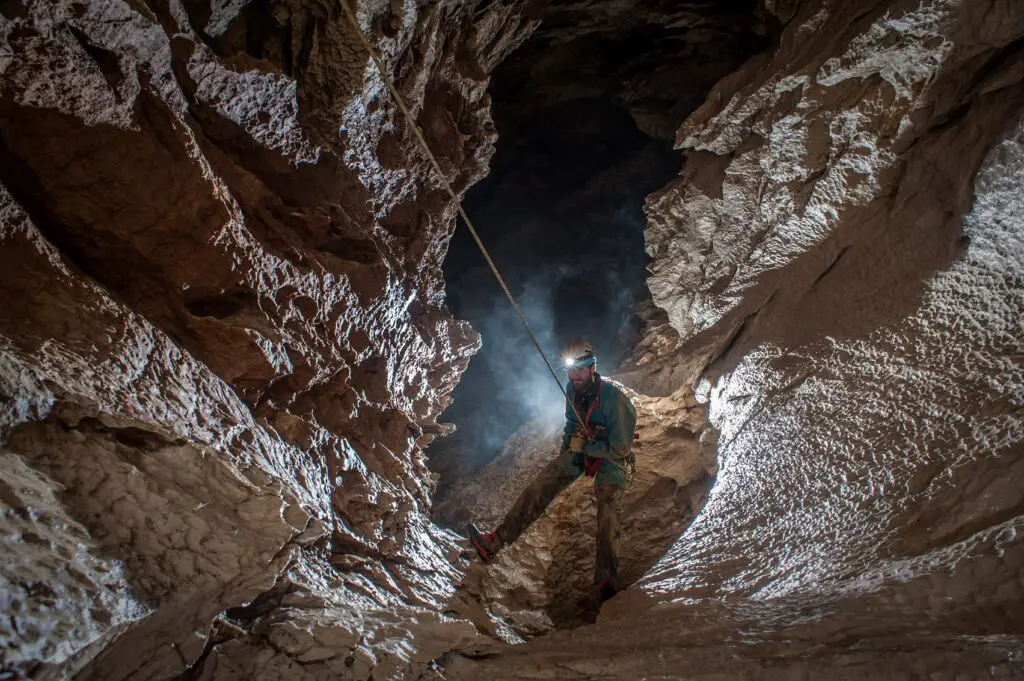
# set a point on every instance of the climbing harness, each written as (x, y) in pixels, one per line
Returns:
(400, 102)
(592, 464)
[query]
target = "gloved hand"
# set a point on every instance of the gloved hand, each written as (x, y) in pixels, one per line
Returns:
(576, 442)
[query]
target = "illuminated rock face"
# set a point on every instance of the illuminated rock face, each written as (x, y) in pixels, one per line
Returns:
(223, 343)
(223, 346)
(858, 286)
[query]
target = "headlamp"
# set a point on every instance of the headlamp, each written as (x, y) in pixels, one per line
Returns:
(578, 362)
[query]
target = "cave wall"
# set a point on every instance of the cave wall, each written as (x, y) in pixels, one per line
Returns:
(223, 343)
(857, 292)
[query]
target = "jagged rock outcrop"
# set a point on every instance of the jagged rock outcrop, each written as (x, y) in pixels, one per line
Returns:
(223, 343)
(842, 261)
(655, 58)
(850, 207)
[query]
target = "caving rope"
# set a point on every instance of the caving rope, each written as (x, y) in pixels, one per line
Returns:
(400, 102)
(451, 192)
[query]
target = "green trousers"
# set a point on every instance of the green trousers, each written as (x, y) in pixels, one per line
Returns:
(609, 486)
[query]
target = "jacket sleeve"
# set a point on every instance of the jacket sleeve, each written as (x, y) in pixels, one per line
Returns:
(621, 419)
(570, 418)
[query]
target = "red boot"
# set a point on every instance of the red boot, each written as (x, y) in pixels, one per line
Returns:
(487, 544)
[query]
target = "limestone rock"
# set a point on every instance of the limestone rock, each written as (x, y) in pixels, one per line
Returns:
(223, 347)
(223, 339)
(587, 50)
(852, 209)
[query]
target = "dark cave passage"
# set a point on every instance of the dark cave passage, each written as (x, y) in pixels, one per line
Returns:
(562, 214)
(586, 111)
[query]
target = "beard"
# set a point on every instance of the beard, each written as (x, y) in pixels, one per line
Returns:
(584, 382)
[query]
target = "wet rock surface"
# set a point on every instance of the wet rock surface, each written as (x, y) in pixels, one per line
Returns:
(852, 198)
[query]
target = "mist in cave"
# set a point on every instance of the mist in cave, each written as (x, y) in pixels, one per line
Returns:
(585, 117)
(571, 248)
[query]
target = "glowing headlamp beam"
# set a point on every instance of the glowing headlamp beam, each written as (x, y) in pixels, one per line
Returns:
(578, 363)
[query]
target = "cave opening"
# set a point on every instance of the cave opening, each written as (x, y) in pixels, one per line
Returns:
(586, 111)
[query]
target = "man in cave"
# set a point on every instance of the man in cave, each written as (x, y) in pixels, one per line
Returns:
(599, 447)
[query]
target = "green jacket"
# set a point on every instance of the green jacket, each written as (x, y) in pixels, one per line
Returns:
(613, 422)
